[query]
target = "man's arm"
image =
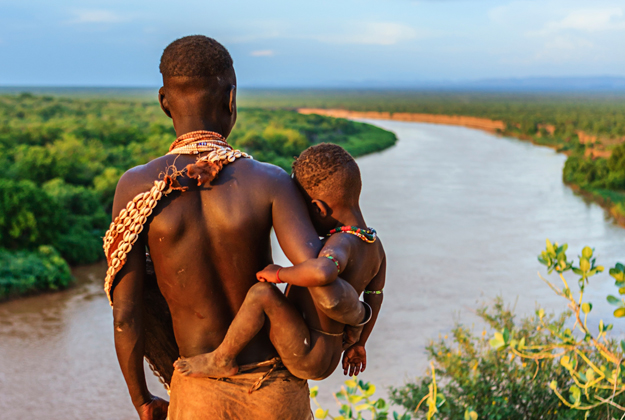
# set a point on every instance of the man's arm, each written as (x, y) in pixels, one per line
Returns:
(291, 221)
(128, 313)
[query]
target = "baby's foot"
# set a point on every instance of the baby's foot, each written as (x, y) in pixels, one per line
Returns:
(206, 365)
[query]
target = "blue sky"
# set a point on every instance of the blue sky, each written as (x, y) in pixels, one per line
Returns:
(313, 43)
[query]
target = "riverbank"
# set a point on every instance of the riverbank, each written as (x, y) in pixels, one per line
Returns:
(26, 273)
(582, 145)
(491, 126)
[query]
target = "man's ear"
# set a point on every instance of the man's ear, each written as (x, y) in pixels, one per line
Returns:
(233, 97)
(163, 101)
(322, 208)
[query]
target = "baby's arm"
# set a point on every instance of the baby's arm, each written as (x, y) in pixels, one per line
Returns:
(335, 297)
(355, 358)
(314, 272)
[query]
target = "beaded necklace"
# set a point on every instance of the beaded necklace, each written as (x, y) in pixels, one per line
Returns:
(198, 141)
(369, 235)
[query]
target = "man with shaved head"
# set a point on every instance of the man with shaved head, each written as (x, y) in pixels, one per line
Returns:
(207, 230)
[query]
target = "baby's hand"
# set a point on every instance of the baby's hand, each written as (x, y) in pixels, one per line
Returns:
(354, 360)
(269, 274)
(351, 335)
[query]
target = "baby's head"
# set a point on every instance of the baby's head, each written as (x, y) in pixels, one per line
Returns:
(330, 180)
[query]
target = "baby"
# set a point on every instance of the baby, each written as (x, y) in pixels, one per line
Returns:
(309, 337)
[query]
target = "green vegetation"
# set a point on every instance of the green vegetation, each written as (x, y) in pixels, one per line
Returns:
(538, 368)
(589, 128)
(355, 401)
(62, 158)
(24, 272)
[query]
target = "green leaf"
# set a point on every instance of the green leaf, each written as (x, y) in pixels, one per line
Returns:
(601, 326)
(613, 300)
(497, 341)
(623, 345)
(380, 404)
(587, 252)
(586, 307)
(314, 391)
(609, 327)
(619, 313)
(320, 413)
(370, 390)
(584, 264)
(590, 374)
(576, 394)
(353, 399)
(577, 271)
(362, 407)
(351, 383)
(566, 362)
(469, 414)
(541, 313)
(522, 343)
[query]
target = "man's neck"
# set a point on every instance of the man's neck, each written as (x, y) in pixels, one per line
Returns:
(351, 216)
(184, 126)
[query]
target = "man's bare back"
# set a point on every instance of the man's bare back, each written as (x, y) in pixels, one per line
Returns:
(208, 243)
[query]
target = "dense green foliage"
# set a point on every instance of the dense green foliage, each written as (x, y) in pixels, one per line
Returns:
(62, 158)
(551, 120)
(23, 272)
(472, 376)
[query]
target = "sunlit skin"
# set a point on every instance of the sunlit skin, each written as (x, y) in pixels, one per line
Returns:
(208, 243)
(307, 353)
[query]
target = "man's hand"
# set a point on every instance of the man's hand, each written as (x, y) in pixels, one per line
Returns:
(354, 360)
(269, 274)
(155, 409)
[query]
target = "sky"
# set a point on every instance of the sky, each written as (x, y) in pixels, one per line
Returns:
(297, 43)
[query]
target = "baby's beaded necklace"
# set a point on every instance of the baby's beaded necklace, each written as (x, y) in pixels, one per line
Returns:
(368, 235)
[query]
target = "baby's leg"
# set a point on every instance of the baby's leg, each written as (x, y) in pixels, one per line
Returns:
(339, 301)
(288, 332)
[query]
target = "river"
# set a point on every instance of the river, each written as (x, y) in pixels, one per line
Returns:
(462, 215)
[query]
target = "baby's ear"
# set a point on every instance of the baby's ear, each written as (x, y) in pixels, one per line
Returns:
(322, 208)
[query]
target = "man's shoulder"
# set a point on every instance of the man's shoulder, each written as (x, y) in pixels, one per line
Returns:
(137, 180)
(265, 170)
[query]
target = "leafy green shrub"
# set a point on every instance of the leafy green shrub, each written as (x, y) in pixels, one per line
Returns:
(538, 368)
(473, 377)
(25, 272)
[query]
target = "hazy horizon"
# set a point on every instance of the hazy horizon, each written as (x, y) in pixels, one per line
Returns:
(322, 44)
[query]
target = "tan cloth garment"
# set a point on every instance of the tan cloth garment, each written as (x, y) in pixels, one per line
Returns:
(281, 396)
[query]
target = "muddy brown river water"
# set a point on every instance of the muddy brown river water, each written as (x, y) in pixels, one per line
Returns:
(462, 215)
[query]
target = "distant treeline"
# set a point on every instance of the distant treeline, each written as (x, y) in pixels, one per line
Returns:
(589, 128)
(61, 159)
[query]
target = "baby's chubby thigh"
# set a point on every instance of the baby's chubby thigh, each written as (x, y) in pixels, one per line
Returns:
(320, 361)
